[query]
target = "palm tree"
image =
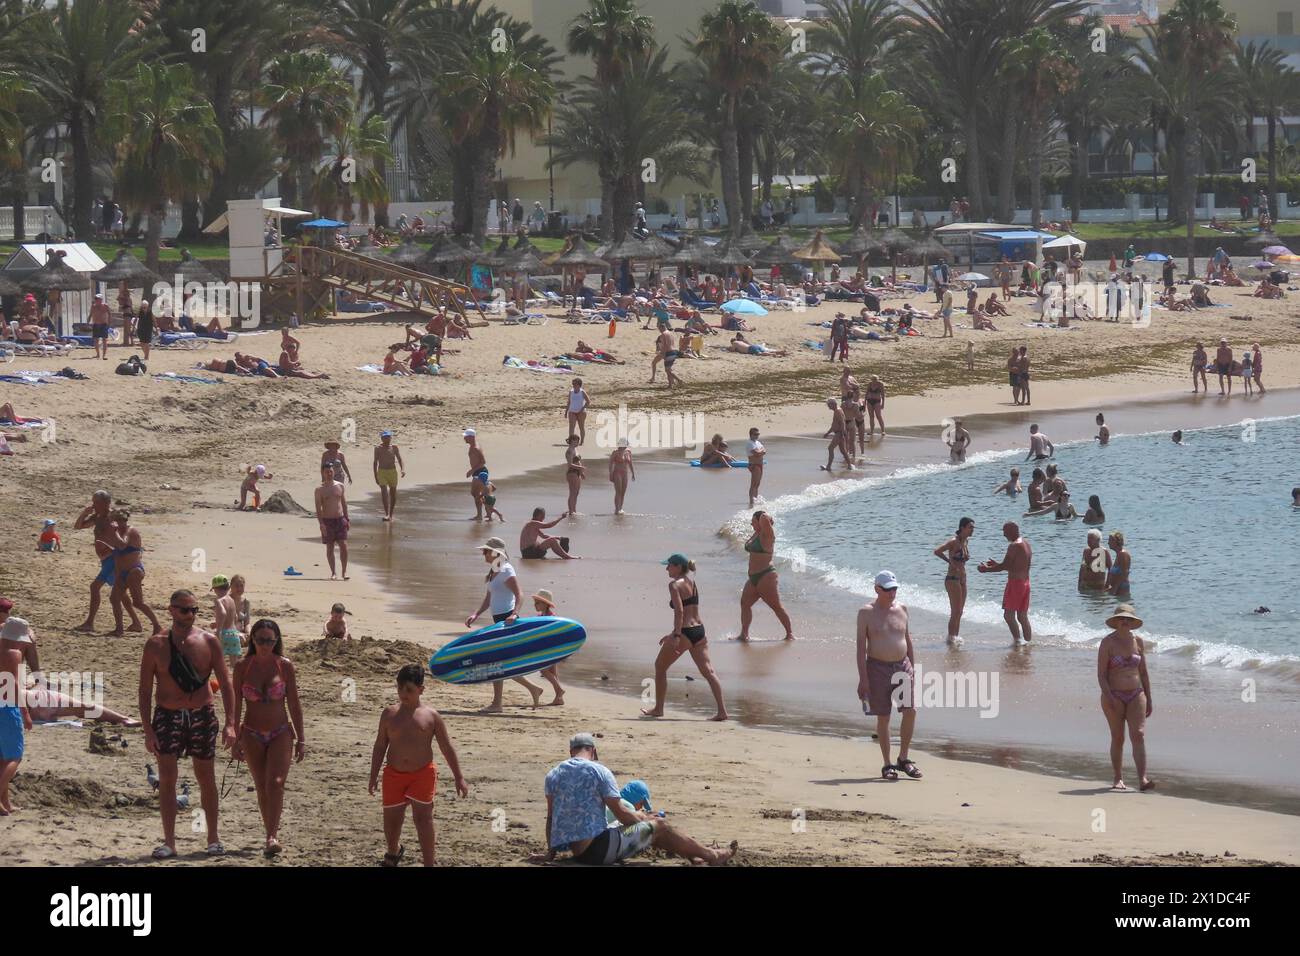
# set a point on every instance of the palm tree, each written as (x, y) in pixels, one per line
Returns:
(307, 102)
(615, 126)
(1271, 89)
(613, 33)
(376, 36)
(84, 48)
(1040, 70)
(854, 40)
(167, 136)
(874, 136)
(355, 174)
(740, 45)
(494, 80)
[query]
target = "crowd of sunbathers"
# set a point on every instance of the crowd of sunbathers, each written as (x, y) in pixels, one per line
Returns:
(288, 366)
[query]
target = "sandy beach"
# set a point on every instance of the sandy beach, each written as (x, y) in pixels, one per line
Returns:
(172, 453)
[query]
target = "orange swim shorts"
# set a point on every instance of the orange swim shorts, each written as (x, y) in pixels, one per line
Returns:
(416, 786)
(1016, 596)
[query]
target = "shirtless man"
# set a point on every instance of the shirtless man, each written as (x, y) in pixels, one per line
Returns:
(886, 664)
(332, 513)
(1015, 597)
(98, 515)
(1223, 365)
(666, 352)
(184, 724)
(388, 462)
(1039, 445)
(1103, 430)
(837, 434)
(1022, 368)
(1013, 376)
(534, 544)
(14, 721)
(478, 473)
(100, 315)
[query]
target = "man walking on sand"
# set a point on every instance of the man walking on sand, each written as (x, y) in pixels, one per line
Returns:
(886, 664)
(945, 312)
(838, 435)
(98, 514)
(1015, 597)
(666, 352)
(184, 724)
(477, 474)
(388, 461)
(100, 317)
(332, 513)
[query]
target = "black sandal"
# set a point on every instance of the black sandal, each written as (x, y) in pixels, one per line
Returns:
(889, 772)
(393, 859)
(908, 767)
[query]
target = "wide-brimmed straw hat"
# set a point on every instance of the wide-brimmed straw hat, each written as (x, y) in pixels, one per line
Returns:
(1125, 613)
(544, 596)
(495, 545)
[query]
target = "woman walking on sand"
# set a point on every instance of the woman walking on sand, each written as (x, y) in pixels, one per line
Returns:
(955, 552)
(503, 597)
(265, 682)
(762, 581)
(620, 468)
(687, 636)
(1125, 693)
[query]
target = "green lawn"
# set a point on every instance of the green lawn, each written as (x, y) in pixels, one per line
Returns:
(204, 249)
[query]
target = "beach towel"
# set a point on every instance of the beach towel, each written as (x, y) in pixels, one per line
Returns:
(22, 380)
(816, 346)
(189, 379)
(1045, 325)
(378, 369)
(23, 423)
(532, 366)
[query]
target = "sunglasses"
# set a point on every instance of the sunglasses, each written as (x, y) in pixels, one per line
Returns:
(264, 640)
(186, 609)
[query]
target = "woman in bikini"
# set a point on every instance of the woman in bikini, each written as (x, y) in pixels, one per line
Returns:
(574, 475)
(852, 406)
(1125, 692)
(762, 581)
(955, 552)
(1117, 580)
(876, 405)
(620, 469)
(265, 681)
(687, 636)
(128, 571)
(1200, 359)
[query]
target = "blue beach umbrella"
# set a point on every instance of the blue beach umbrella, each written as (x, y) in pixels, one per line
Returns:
(325, 223)
(744, 307)
(1156, 257)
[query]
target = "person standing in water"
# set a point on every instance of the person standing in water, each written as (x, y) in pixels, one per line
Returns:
(851, 405)
(1117, 577)
(955, 552)
(620, 470)
(1103, 430)
(503, 598)
(838, 435)
(573, 475)
(886, 663)
(387, 462)
(959, 443)
(1095, 565)
(687, 636)
(1015, 597)
(1040, 446)
(757, 454)
(762, 581)
(1125, 693)
(478, 473)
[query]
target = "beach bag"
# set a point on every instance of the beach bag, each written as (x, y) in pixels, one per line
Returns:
(132, 366)
(181, 670)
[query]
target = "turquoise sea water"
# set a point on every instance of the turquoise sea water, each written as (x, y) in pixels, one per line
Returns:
(1209, 524)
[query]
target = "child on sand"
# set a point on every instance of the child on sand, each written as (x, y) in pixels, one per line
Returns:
(406, 733)
(225, 616)
(335, 625)
(49, 539)
(251, 477)
(490, 501)
(544, 605)
(242, 607)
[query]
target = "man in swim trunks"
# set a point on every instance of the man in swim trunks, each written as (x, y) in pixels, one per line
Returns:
(534, 544)
(579, 790)
(886, 662)
(225, 616)
(14, 721)
(1039, 445)
(477, 473)
(1223, 364)
(837, 434)
(1022, 370)
(406, 734)
(332, 513)
(179, 662)
(98, 514)
(388, 461)
(1015, 597)
(665, 351)
(1013, 375)
(100, 317)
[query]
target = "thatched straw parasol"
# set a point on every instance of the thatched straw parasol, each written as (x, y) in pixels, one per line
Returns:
(579, 256)
(408, 253)
(632, 248)
(191, 270)
(749, 240)
(861, 244)
(55, 274)
(819, 250)
(524, 257)
(127, 268)
(727, 254)
(779, 252)
(896, 241)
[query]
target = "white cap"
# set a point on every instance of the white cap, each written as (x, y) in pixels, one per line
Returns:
(50, 522)
(17, 630)
(468, 433)
(261, 470)
(886, 580)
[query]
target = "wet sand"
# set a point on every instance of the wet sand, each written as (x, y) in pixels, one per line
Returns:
(1047, 717)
